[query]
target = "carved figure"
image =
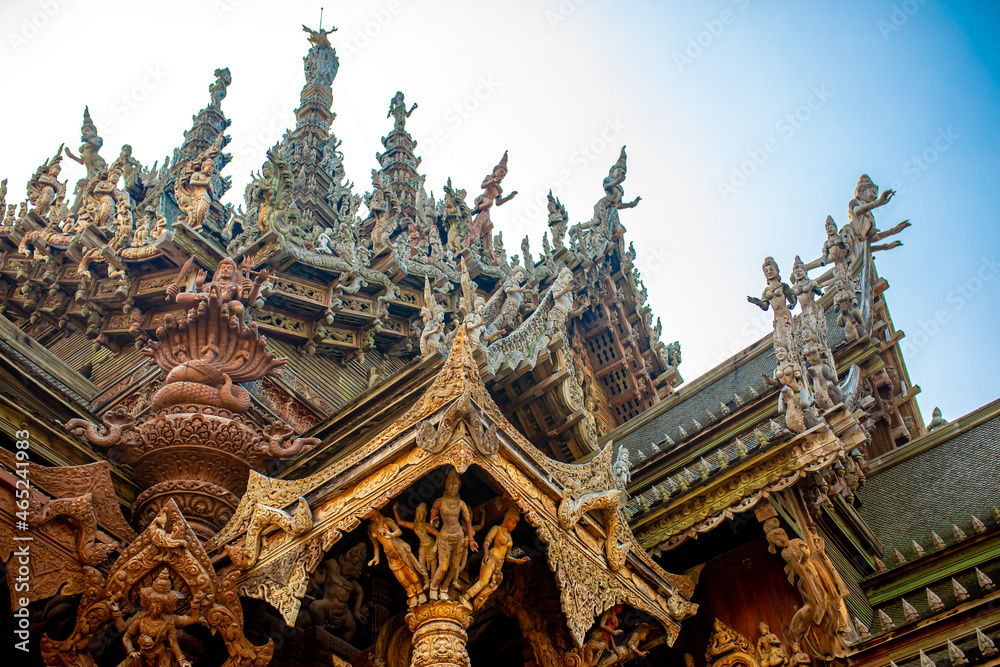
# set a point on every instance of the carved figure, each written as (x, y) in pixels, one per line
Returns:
(513, 293)
(426, 553)
(769, 648)
(562, 299)
(433, 314)
(150, 637)
(411, 575)
(398, 112)
(780, 298)
(630, 649)
(820, 623)
(343, 598)
(867, 198)
(481, 227)
(622, 467)
(194, 190)
(217, 89)
(44, 184)
(613, 195)
(823, 378)
(849, 315)
(270, 193)
(452, 542)
(558, 220)
(89, 150)
(496, 552)
(602, 637)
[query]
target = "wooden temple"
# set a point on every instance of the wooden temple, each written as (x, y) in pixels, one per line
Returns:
(335, 426)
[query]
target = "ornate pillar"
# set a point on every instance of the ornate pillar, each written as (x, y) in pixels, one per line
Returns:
(439, 636)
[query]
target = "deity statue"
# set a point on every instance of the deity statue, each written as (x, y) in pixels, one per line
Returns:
(630, 648)
(90, 148)
(455, 537)
(848, 314)
(823, 378)
(769, 648)
(821, 622)
(431, 337)
(622, 468)
(398, 112)
(602, 637)
(481, 227)
(426, 553)
(558, 220)
(217, 89)
(513, 293)
(321, 62)
(101, 197)
(496, 552)
(383, 532)
(340, 588)
(150, 637)
(867, 198)
(194, 191)
(44, 185)
(780, 298)
(612, 199)
(228, 281)
(806, 290)
(799, 657)
(455, 216)
(562, 298)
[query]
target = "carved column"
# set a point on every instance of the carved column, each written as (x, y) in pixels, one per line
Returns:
(439, 636)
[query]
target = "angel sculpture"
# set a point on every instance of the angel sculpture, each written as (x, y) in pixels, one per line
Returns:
(866, 198)
(271, 191)
(512, 291)
(319, 37)
(481, 227)
(150, 637)
(613, 194)
(193, 188)
(433, 331)
(398, 112)
(44, 185)
(779, 297)
(89, 150)
(217, 90)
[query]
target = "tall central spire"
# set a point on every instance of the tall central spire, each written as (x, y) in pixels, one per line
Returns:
(321, 63)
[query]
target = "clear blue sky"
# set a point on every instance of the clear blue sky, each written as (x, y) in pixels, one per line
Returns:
(905, 91)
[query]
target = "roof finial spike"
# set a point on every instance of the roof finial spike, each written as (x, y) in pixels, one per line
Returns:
(984, 582)
(879, 565)
(910, 612)
(959, 590)
(957, 532)
(986, 645)
(925, 661)
(956, 656)
(898, 556)
(937, 541)
(933, 601)
(978, 525)
(996, 515)
(886, 621)
(918, 551)
(861, 629)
